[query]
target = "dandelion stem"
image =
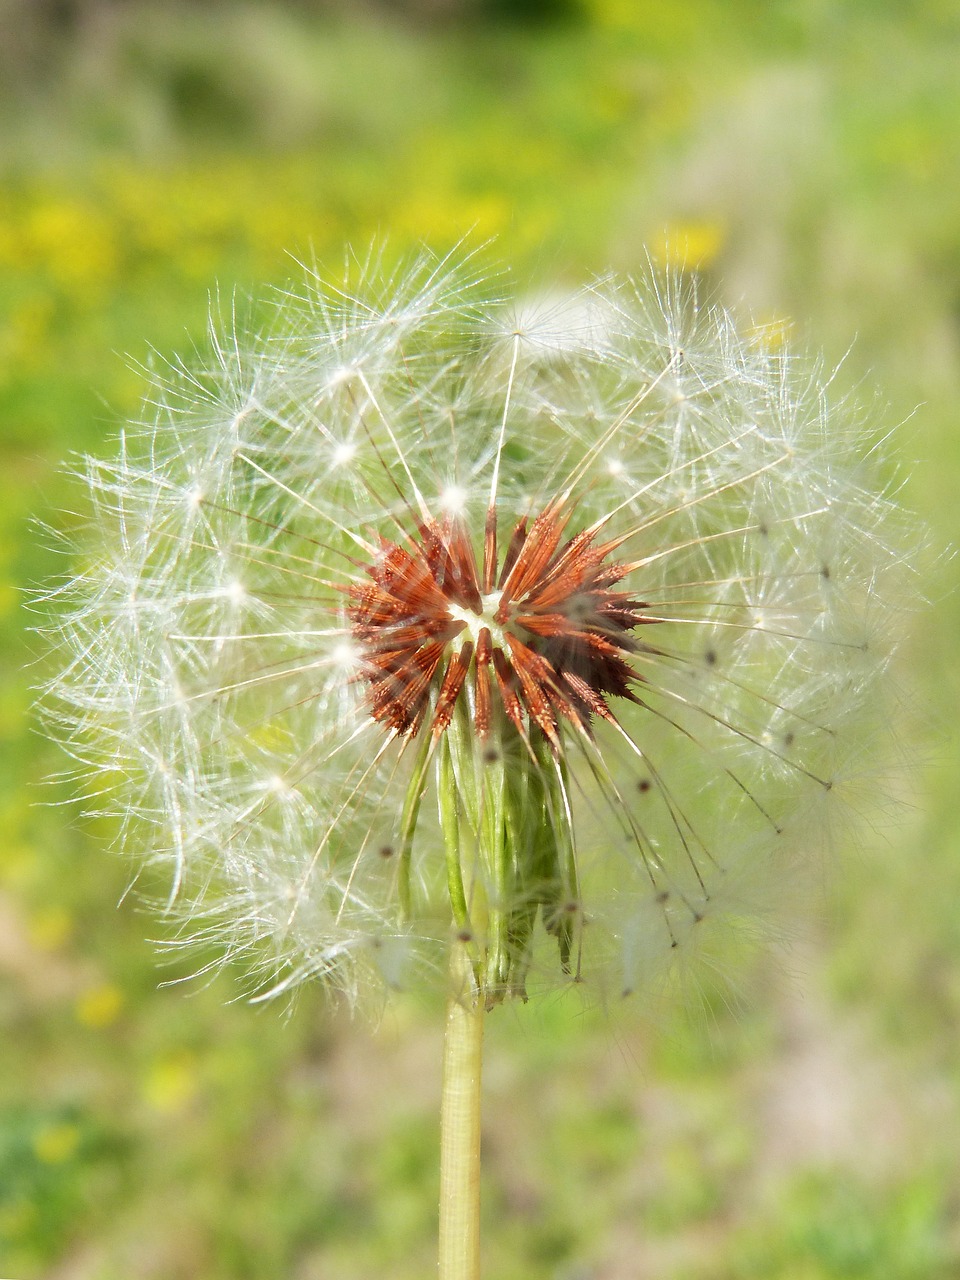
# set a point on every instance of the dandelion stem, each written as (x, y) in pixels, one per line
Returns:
(460, 1125)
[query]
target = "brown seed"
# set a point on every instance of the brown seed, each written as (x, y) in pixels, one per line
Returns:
(559, 640)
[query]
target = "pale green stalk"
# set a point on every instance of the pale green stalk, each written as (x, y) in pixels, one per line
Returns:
(460, 1125)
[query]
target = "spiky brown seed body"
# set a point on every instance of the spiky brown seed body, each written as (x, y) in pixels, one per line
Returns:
(545, 631)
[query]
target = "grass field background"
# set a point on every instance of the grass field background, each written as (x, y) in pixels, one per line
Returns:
(805, 157)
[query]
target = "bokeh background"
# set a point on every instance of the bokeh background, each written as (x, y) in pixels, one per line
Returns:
(804, 156)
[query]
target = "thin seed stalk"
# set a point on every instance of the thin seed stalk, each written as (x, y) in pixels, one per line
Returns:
(408, 822)
(450, 818)
(460, 1124)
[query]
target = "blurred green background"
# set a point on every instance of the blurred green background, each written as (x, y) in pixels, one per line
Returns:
(805, 156)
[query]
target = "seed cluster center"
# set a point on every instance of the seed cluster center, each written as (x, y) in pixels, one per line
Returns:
(544, 630)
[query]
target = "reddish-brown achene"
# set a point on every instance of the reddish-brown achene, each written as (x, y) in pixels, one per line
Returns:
(545, 631)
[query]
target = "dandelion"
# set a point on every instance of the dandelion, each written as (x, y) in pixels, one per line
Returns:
(429, 624)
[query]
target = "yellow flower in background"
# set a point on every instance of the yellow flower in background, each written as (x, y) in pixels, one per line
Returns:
(442, 216)
(688, 246)
(99, 1006)
(24, 334)
(171, 1083)
(770, 333)
(74, 242)
(56, 1143)
(51, 928)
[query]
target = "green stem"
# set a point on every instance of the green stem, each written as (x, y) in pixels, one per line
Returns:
(460, 1125)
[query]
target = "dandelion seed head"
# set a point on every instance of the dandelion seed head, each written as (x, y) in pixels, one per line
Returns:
(453, 499)
(344, 452)
(345, 656)
(553, 625)
(548, 325)
(340, 375)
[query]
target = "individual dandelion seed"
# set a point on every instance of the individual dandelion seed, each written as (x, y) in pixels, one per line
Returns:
(432, 623)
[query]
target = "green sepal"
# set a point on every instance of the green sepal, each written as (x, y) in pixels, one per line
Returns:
(511, 793)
